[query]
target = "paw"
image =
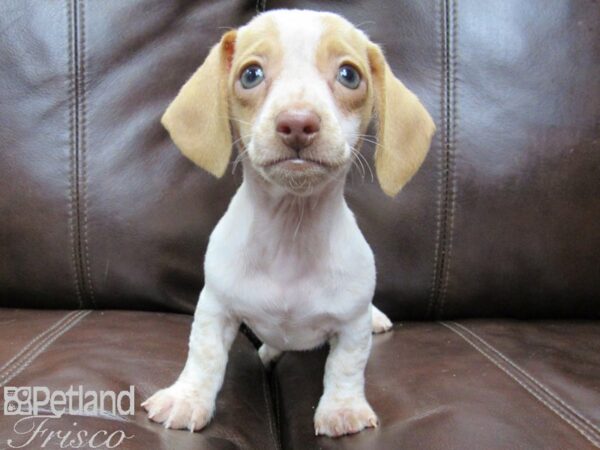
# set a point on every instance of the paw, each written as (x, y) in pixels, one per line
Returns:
(268, 354)
(337, 418)
(380, 322)
(180, 406)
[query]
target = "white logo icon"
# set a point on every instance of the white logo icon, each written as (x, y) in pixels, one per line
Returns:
(17, 401)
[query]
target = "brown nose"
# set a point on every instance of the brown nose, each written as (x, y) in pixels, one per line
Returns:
(297, 128)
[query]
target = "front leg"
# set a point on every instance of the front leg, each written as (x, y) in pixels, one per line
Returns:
(190, 401)
(343, 408)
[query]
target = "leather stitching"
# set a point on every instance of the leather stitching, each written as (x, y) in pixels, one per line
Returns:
(438, 213)
(10, 362)
(566, 412)
(83, 142)
(527, 375)
(451, 149)
(72, 213)
(34, 352)
(78, 220)
(446, 185)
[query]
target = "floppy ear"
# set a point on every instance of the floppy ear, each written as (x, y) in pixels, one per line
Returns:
(198, 118)
(405, 128)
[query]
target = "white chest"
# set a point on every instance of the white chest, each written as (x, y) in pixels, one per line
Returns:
(293, 287)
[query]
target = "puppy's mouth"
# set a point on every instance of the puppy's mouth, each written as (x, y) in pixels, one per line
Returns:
(297, 164)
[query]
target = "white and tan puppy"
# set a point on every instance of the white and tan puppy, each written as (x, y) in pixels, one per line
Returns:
(295, 90)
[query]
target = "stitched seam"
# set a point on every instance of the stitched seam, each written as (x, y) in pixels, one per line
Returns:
(451, 143)
(444, 161)
(76, 152)
(588, 434)
(438, 206)
(42, 334)
(79, 167)
(9, 374)
(16, 370)
(269, 405)
(72, 213)
(83, 128)
(530, 377)
(528, 388)
(33, 354)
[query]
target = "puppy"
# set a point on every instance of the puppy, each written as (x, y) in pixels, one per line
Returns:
(295, 90)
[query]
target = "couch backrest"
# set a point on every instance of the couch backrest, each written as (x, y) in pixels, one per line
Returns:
(99, 210)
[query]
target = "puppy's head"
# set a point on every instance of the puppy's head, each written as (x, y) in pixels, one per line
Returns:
(297, 90)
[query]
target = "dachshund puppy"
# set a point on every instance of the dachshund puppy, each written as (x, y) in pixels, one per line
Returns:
(295, 90)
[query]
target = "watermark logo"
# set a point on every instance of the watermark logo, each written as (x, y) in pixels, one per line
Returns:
(39, 406)
(31, 400)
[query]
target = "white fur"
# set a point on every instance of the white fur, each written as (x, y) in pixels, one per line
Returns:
(293, 266)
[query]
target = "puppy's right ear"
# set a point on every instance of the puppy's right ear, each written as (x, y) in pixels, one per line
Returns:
(198, 118)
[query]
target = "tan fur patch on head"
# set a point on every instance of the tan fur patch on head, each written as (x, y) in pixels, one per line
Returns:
(257, 43)
(343, 44)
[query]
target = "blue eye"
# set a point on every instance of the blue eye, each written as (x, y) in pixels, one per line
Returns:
(348, 76)
(252, 76)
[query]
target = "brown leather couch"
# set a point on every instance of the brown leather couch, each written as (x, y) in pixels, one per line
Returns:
(488, 261)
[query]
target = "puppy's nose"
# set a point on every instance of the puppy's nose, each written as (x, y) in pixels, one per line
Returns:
(297, 128)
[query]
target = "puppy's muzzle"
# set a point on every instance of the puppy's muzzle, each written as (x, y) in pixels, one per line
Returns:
(297, 128)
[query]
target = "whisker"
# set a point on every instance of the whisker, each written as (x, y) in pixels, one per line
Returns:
(366, 138)
(366, 22)
(368, 166)
(240, 120)
(361, 170)
(237, 160)
(240, 139)
(243, 153)
(364, 135)
(371, 141)
(357, 161)
(360, 156)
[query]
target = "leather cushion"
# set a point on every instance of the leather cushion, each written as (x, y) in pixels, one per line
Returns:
(473, 384)
(112, 350)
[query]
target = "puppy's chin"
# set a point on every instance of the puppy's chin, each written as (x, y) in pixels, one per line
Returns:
(295, 176)
(298, 176)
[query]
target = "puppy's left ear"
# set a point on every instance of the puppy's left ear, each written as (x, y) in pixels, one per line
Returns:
(198, 118)
(405, 128)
